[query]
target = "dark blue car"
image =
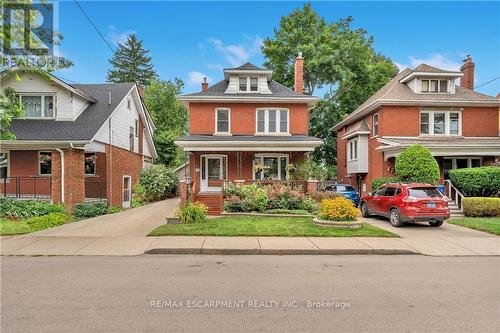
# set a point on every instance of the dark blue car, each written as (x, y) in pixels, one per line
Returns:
(345, 190)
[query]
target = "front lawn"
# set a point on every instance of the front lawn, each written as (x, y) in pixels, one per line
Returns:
(265, 226)
(11, 227)
(486, 224)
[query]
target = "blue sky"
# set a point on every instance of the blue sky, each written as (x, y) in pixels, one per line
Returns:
(190, 40)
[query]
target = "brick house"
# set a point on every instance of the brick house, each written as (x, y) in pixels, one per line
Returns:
(425, 106)
(77, 142)
(245, 128)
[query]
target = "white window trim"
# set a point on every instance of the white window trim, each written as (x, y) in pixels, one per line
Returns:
(448, 86)
(373, 125)
(129, 103)
(261, 157)
(202, 157)
(136, 128)
(217, 120)
(131, 131)
(127, 204)
(39, 166)
(266, 121)
(248, 89)
(354, 157)
(8, 163)
(446, 122)
(95, 164)
(42, 95)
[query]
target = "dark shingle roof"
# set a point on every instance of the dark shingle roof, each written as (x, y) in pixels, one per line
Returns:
(85, 126)
(278, 90)
(249, 138)
(429, 69)
(247, 67)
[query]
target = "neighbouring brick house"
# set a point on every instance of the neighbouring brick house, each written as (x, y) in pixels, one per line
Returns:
(245, 128)
(77, 142)
(425, 106)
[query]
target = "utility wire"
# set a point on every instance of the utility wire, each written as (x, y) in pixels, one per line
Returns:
(95, 28)
(483, 84)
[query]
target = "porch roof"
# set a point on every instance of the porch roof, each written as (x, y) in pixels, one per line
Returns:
(248, 143)
(445, 146)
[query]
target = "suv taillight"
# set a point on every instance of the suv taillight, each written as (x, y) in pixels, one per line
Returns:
(409, 199)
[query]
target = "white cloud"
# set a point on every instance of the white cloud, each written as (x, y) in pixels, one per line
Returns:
(237, 54)
(196, 78)
(435, 60)
(117, 37)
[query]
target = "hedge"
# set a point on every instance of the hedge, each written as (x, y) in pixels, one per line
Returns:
(479, 207)
(90, 209)
(377, 182)
(477, 182)
(46, 221)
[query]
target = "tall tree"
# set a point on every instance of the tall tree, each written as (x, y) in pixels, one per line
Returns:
(337, 58)
(131, 63)
(169, 116)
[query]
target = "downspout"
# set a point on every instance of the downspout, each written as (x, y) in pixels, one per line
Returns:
(61, 152)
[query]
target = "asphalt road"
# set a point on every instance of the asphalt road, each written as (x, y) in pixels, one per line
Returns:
(185, 293)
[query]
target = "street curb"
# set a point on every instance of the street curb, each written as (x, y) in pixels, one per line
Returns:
(281, 251)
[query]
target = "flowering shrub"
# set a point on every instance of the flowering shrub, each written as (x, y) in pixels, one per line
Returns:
(192, 212)
(338, 209)
(158, 182)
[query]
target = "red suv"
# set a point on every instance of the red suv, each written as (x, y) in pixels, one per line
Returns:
(407, 203)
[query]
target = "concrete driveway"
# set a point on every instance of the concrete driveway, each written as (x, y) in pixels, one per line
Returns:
(449, 239)
(137, 222)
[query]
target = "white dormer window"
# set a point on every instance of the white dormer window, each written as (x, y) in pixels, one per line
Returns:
(243, 83)
(434, 86)
(254, 84)
(38, 106)
(248, 84)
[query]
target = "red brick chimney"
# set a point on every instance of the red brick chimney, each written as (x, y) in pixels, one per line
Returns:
(467, 81)
(204, 84)
(299, 74)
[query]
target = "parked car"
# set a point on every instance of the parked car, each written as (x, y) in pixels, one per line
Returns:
(345, 190)
(407, 203)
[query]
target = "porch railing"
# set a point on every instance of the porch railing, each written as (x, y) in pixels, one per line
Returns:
(454, 194)
(95, 190)
(299, 185)
(36, 187)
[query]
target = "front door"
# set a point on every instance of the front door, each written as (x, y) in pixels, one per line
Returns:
(127, 191)
(212, 174)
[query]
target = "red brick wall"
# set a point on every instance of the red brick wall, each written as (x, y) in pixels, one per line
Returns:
(202, 117)
(74, 176)
(480, 121)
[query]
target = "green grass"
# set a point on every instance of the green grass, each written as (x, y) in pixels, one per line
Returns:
(265, 226)
(486, 224)
(11, 227)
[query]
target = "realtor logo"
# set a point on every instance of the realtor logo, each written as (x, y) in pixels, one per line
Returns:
(28, 28)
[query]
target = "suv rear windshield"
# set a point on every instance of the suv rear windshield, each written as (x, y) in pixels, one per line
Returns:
(424, 192)
(345, 188)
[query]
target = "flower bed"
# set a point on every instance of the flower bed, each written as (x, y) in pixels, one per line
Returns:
(338, 212)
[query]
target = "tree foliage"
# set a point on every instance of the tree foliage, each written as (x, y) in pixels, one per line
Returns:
(336, 57)
(131, 63)
(169, 116)
(10, 107)
(416, 164)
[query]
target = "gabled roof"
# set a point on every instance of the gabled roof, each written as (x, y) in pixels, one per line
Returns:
(85, 127)
(397, 93)
(247, 67)
(430, 69)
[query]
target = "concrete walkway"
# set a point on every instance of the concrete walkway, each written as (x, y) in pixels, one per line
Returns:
(125, 234)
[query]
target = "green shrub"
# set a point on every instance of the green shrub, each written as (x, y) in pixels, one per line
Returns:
(158, 182)
(481, 207)
(114, 209)
(46, 221)
(20, 209)
(254, 196)
(477, 182)
(192, 212)
(90, 209)
(377, 182)
(234, 204)
(287, 211)
(338, 209)
(416, 164)
(139, 196)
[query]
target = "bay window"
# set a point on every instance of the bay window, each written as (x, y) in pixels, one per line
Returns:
(352, 149)
(440, 123)
(272, 121)
(38, 106)
(270, 167)
(375, 124)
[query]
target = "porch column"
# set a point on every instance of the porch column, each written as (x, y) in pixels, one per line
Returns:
(55, 184)
(74, 177)
(312, 186)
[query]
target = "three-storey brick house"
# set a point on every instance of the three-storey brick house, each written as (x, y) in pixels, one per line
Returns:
(244, 128)
(425, 106)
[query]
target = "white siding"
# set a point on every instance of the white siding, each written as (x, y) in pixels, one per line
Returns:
(264, 85)
(146, 150)
(414, 84)
(233, 86)
(360, 165)
(68, 105)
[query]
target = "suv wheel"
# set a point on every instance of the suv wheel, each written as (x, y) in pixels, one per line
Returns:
(436, 223)
(364, 210)
(395, 218)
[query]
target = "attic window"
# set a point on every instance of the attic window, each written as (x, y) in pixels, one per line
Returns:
(254, 83)
(248, 84)
(434, 86)
(243, 84)
(129, 106)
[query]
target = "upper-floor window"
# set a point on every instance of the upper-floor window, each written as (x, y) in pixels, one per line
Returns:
(136, 128)
(131, 139)
(248, 84)
(434, 86)
(45, 163)
(353, 149)
(375, 124)
(129, 104)
(222, 121)
(38, 106)
(90, 163)
(440, 123)
(272, 121)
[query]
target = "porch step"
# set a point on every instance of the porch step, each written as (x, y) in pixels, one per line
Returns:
(456, 214)
(212, 200)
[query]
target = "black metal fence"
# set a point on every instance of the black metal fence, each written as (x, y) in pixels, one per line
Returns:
(36, 187)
